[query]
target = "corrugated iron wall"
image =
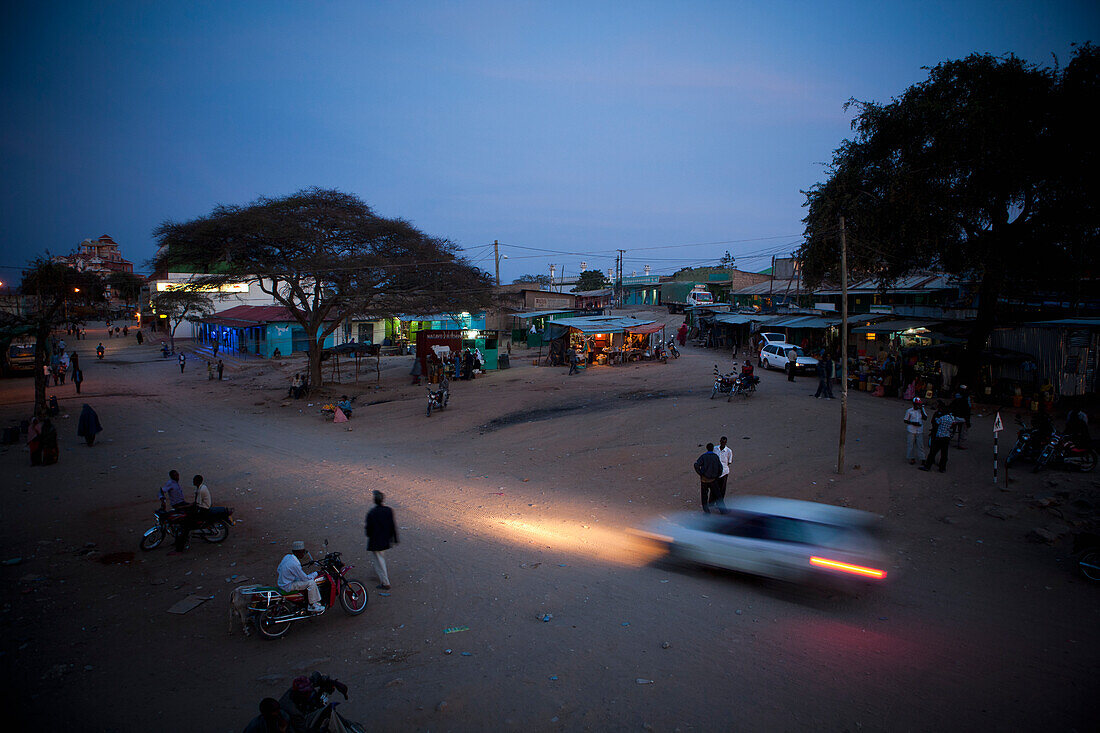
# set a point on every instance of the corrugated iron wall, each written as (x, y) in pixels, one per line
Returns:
(1065, 357)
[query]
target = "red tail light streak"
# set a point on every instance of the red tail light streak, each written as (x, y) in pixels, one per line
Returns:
(844, 567)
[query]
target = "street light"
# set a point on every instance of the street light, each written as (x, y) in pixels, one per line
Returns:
(499, 257)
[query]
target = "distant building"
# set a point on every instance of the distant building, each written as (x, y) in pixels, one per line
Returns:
(101, 256)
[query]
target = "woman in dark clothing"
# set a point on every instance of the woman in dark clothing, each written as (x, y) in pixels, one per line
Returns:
(468, 365)
(88, 425)
(47, 441)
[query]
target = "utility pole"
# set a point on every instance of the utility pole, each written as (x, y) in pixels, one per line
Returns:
(843, 347)
(496, 258)
(551, 288)
(619, 280)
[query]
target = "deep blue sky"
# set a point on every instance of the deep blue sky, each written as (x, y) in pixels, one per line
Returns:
(579, 127)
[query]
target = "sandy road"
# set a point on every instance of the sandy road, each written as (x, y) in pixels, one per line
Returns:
(513, 503)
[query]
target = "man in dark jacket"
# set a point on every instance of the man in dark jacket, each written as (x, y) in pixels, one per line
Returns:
(381, 534)
(709, 468)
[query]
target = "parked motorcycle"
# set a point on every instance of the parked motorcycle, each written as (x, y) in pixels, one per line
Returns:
(275, 609)
(1061, 450)
(672, 348)
(723, 384)
(212, 527)
(745, 385)
(437, 399)
(1029, 442)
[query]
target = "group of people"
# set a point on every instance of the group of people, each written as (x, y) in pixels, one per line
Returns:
(63, 363)
(949, 420)
(298, 387)
(42, 433)
(713, 468)
(301, 709)
(211, 368)
(173, 499)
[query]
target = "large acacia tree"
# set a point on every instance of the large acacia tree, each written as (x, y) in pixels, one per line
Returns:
(51, 290)
(985, 170)
(325, 256)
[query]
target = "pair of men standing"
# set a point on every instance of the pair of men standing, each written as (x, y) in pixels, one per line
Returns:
(713, 468)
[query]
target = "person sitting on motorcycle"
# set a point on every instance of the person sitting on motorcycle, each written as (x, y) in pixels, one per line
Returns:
(99, 350)
(271, 719)
(171, 498)
(292, 578)
(1077, 427)
(746, 368)
(299, 702)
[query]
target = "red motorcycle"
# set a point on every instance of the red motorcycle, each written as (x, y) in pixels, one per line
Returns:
(274, 610)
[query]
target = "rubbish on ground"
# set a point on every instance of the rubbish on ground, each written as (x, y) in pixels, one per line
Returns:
(455, 629)
(641, 681)
(189, 603)
(546, 618)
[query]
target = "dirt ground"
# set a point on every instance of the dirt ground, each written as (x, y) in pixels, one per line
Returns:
(514, 503)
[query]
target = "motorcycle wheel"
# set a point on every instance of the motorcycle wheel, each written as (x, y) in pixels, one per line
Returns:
(1088, 462)
(1043, 459)
(713, 392)
(429, 408)
(218, 532)
(268, 628)
(152, 539)
(353, 598)
(1089, 564)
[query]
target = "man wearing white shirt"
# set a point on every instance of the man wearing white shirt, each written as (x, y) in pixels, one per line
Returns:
(725, 455)
(293, 578)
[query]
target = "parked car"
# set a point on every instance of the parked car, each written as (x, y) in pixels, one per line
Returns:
(774, 356)
(772, 338)
(788, 539)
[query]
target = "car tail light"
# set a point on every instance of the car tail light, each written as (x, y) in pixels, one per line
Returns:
(845, 567)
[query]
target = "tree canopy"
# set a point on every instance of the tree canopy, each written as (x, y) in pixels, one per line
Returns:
(325, 256)
(591, 280)
(54, 292)
(126, 285)
(985, 170)
(179, 305)
(543, 280)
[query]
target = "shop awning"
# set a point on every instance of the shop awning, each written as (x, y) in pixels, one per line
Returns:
(601, 324)
(733, 319)
(1070, 323)
(646, 329)
(538, 314)
(893, 326)
(229, 322)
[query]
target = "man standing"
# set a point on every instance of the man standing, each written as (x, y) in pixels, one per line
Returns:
(221, 368)
(792, 363)
(293, 578)
(78, 377)
(822, 377)
(183, 361)
(942, 425)
(914, 432)
(573, 368)
(725, 455)
(709, 468)
(381, 534)
(960, 408)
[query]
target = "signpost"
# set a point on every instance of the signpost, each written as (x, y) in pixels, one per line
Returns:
(997, 427)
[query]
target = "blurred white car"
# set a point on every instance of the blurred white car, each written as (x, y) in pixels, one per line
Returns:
(774, 356)
(773, 338)
(788, 539)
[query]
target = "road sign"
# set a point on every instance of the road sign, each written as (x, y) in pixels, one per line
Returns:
(997, 426)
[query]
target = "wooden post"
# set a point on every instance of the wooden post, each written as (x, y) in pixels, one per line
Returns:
(843, 347)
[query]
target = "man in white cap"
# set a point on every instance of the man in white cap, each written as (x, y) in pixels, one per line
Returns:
(292, 578)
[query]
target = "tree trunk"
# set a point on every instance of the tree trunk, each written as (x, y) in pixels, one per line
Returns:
(41, 339)
(314, 359)
(989, 292)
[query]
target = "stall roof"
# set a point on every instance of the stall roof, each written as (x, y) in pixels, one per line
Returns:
(806, 322)
(1071, 322)
(716, 307)
(592, 293)
(733, 319)
(893, 326)
(601, 324)
(646, 329)
(539, 314)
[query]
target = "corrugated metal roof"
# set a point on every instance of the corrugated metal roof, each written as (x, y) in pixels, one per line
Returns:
(893, 326)
(539, 314)
(1070, 322)
(733, 319)
(602, 324)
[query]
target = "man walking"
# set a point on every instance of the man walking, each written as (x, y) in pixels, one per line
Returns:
(709, 468)
(381, 534)
(183, 361)
(725, 455)
(822, 378)
(914, 431)
(960, 408)
(942, 425)
(573, 368)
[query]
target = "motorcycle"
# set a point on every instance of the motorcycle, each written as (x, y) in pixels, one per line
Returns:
(99, 353)
(723, 384)
(1061, 449)
(212, 526)
(274, 610)
(672, 348)
(437, 399)
(1029, 442)
(1086, 549)
(164, 352)
(745, 385)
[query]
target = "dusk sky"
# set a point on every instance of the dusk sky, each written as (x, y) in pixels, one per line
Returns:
(673, 130)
